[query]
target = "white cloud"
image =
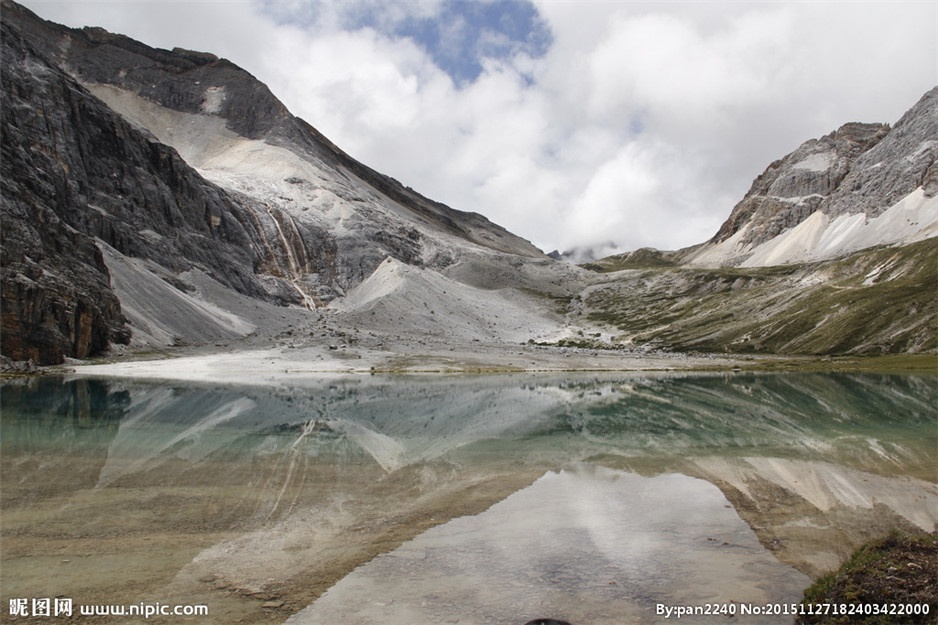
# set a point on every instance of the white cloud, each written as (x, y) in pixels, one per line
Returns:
(621, 195)
(359, 83)
(643, 123)
(333, 16)
(664, 65)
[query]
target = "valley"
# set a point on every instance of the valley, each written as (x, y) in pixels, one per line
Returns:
(251, 373)
(210, 221)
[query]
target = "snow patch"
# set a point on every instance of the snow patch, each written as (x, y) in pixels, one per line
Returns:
(212, 100)
(819, 237)
(816, 162)
(797, 200)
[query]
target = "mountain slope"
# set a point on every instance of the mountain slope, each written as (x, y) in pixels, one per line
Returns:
(832, 251)
(202, 84)
(167, 197)
(176, 162)
(74, 172)
(870, 303)
(445, 307)
(860, 186)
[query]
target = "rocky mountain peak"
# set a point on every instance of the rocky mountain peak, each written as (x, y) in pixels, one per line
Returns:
(203, 84)
(128, 168)
(178, 79)
(859, 169)
(793, 187)
(904, 160)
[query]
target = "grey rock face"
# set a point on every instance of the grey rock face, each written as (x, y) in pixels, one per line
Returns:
(904, 160)
(859, 168)
(75, 171)
(793, 187)
(56, 294)
(197, 82)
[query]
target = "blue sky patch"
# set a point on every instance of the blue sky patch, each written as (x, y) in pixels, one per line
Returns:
(467, 32)
(458, 36)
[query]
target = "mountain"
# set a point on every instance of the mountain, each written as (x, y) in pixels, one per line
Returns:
(832, 251)
(873, 302)
(860, 186)
(135, 180)
(584, 253)
(161, 198)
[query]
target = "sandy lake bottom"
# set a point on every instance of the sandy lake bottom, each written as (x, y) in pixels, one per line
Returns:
(455, 499)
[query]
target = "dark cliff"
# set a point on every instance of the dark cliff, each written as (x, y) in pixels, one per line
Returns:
(74, 172)
(56, 294)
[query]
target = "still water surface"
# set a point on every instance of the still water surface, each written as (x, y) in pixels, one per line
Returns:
(472, 500)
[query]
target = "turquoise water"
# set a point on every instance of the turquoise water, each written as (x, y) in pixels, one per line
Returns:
(265, 503)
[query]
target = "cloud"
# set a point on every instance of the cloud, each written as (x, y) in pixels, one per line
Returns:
(571, 124)
(456, 35)
(334, 16)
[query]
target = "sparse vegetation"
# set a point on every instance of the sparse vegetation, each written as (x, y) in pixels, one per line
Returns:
(883, 301)
(639, 259)
(898, 570)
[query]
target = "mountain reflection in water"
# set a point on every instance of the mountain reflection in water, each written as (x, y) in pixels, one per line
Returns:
(609, 492)
(589, 544)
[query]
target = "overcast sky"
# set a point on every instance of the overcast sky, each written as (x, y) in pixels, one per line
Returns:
(571, 123)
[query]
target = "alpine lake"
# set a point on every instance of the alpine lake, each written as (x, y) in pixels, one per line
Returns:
(595, 498)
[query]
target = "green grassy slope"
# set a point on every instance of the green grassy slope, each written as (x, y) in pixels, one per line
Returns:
(880, 301)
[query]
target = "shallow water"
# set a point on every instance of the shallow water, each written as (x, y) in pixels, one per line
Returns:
(490, 499)
(588, 544)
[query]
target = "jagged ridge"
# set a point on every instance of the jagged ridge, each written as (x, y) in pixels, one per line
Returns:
(110, 177)
(199, 82)
(809, 204)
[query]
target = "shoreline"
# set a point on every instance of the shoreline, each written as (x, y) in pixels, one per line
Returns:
(286, 365)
